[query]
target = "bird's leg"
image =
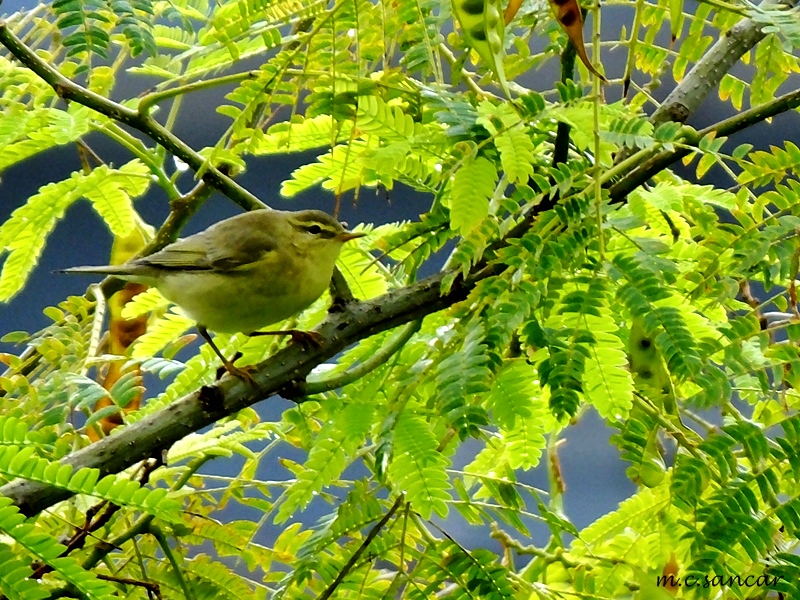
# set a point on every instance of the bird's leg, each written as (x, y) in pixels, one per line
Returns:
(340, 291)
(229, 367)
(307, 338)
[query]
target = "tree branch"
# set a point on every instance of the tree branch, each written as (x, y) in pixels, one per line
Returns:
(158, 431)
(661, 161)
(69, 90)
(706, 74)
(360, 370)
(147, 102)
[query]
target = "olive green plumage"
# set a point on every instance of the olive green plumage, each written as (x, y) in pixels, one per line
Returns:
(245, 272)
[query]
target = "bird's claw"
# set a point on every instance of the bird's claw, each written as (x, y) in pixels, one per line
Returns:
(306, 338)
(242, 373)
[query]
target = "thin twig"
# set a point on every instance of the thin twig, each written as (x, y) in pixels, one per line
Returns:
(376, 529)
(153, 98)
(69, 90)
(367, 366)
(151, 586)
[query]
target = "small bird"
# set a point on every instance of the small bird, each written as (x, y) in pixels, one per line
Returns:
(243, 273)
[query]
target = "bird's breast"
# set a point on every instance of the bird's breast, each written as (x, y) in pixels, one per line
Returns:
(242, 300)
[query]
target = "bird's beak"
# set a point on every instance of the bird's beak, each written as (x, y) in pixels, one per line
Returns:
(351, 235)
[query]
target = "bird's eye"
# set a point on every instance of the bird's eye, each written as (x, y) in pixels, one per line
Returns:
(314, 229)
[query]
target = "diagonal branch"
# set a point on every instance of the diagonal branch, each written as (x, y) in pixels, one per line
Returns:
(69, 90)
(158, 431)
(687, 97)
(373, 533)
(707, 73)
(619, 190)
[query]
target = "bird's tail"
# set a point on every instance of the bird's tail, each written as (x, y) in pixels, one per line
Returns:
(118, 270)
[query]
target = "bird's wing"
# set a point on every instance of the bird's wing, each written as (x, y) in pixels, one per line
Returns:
(186, 254)
(222, 247)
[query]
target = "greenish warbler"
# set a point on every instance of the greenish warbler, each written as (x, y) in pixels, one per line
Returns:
(243, 273)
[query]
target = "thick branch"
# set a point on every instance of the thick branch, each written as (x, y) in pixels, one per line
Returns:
(661, 161)
(160, 430)
(706, 74)
(69, 90)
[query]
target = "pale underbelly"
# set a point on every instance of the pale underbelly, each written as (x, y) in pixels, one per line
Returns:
(231, 305)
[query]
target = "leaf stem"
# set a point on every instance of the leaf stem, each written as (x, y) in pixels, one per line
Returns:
(153, 98)
(69, 90)
(376, 529)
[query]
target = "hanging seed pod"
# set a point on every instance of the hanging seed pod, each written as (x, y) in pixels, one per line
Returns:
(511, 10)
(568, 14)
(482, 27)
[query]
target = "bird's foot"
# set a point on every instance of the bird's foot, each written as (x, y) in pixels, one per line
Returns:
(306, 338)
(242, 373)
(227, 365)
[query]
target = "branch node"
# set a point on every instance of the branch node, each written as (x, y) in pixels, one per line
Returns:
(293, 390)
(340, 292)
(211, 398)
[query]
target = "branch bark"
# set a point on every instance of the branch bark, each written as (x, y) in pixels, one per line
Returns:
(707, 73)
(157, 432)
(69, 90)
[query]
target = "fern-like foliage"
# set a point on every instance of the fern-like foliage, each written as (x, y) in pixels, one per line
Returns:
(89, 24)
(418, 469)
(473, 186)
(16, 462)
(23, 235)
(644, 307)
(15, 581)
(46, 549)
(327, 457)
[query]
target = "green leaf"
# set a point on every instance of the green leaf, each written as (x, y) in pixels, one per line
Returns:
(473, 186)
(336, 442)
(161, 332)
(418, 469)
(676, 18)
